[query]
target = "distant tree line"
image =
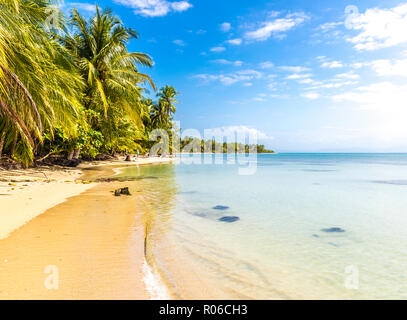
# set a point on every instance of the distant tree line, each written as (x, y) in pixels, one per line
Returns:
(190, 144)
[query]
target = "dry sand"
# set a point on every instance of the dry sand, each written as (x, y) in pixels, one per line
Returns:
(24, 194)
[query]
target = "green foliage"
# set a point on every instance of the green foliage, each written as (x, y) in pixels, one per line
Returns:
(189, 144)
(82, 90)
(39, 86)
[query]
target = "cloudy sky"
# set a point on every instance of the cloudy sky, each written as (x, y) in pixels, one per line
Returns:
(308, 76)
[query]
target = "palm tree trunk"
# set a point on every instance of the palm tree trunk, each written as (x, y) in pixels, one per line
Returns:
(2, 139)
(70, 155)
(76, 154)
(13, 146)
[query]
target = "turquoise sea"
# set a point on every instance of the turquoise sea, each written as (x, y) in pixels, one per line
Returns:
(329, 226)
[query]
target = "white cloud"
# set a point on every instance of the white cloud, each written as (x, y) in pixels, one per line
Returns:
(358, 65)
(88, 7)
(332, 64)
(259, 99)
(180, 43)
(348, 75)
(225, 27)
(311, 95)
(329, 26)
(380, 28)
(247, 84)
(180, 5)
(239, 133)
(383, 95)
(217, 49)
(294, 69)
(254, 73)
(331, 84)
(271, 86)
(155, 8)
(385, 67)
(237, 63)
(266, 65)
(230, 78)
(276, 26)
(297, 73)
(297, 76)
(236, 42)
(390, 68)
(384, 105)
(306, 81)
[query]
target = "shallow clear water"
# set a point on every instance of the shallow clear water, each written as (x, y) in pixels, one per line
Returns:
(278, 249)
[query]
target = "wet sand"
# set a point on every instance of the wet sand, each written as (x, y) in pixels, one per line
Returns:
(93, 244)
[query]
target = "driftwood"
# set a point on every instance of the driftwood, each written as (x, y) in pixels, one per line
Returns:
(46, 156)
(119, 192)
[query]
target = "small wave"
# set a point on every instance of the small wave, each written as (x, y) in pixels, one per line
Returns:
(154, 285)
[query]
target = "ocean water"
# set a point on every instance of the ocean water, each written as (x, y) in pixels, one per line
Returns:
(281, 246)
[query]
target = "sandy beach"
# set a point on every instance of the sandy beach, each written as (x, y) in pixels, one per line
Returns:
(56, 222)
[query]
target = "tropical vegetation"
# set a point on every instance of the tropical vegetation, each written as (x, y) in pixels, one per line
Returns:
(71, 87)
(190, 145)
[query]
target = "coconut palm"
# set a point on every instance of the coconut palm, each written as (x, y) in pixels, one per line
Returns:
(108, 69)
(166, 104)
(38, 84)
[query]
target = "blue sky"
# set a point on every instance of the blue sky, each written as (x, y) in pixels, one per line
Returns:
(308, 76)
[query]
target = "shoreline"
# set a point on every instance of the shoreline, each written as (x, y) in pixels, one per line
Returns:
(96, 240)
(22, 191)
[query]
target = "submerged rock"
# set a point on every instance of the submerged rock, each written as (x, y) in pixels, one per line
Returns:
(333, 244)
(220, 207)
(331, 230)
(394, 182)
(188, 192)
(229, 219)
(121, 191)
(201, 215)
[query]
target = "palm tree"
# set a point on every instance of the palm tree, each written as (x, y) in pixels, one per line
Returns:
(166, 103)
(38, 84)
(158, 115)
(108, 69)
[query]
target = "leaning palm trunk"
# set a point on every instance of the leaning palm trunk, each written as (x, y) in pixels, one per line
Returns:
(13, 145)
(2, 139)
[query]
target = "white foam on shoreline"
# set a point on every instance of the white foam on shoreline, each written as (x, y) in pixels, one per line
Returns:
(154, 285)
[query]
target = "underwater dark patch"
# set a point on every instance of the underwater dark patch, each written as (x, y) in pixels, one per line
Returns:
(393, 182)
(219, 207)
(333, 244)
(188, 192)
(201, 215)
(229, 219)
(318, 170)
(333, 230)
